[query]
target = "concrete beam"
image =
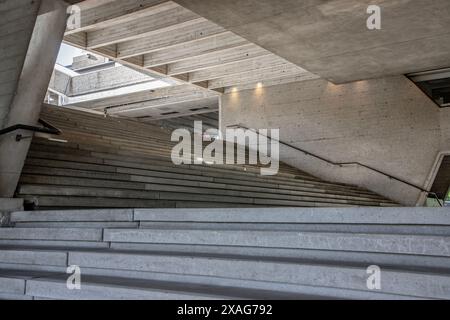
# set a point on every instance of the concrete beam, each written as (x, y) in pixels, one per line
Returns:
(106, 80)
(249, 65)
(277, 72)
(191, 50)
(149, 96)
(106, 13)
(156, 20)
(219, 58)
(169, 39)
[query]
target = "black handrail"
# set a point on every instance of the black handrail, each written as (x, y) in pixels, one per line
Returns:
(46, 128)
(341, 164)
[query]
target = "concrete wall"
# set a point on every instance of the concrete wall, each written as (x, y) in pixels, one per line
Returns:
(31, 88)
(17, 18)
(385, 123)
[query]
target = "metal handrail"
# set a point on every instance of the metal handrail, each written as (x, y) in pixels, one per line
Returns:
(46, 128)
(342, 164)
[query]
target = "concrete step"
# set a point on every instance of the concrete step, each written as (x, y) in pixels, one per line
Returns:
(142, 180)
(14, 297)
(213, 277)
(65, 234)
(12, 286)
(367, 217)
(110, 159)
(13, 283)
(382, 243)
(98, 215)
(337, 257)
(33, 257)
(64, 177)
(225, 190)
(239, 198)
(44, 244)
(53, 286)
(81, 225)
(395, 282)
(387, 216)
(168, 167)
(77, 202)
(305, 227)
(102, 288)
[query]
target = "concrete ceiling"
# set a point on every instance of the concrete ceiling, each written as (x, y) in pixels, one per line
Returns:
(167, 41)
(331, 39)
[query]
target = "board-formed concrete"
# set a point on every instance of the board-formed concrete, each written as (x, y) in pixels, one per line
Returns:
(18, 18)
(36, 71)
(331, 38)
(387, 124)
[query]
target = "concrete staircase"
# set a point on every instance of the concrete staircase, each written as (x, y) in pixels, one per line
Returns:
(117, 163)
(253, 253)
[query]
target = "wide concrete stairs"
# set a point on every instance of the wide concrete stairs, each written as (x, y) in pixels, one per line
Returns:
(253, 253)
(262, 241)
(117, 163)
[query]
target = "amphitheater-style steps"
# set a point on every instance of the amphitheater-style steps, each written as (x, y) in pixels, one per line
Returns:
(253, 253)
(117, 163)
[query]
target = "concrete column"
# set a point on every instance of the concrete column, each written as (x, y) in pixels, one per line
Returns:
(26, 106)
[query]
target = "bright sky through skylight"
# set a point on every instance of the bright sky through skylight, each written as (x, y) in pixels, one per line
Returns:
(67, 53)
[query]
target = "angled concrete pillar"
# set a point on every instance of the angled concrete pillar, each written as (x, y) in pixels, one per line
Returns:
(42, 52)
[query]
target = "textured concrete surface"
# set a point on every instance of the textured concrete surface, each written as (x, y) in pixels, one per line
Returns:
(95, 82)
(91, 291)
(12, 285)
(16, 39)
(291, 291)
(33, 257)
(331, 38)
(403, 244)
(406, 283)
(205, 257)
(30, 92)
(337, 257)
(6, 207)
(10, 204)
(51, 234)
(387, 123)
(367, 216)
(107, 215)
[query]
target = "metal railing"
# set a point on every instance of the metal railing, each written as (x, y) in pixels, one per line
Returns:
(342, 164)
(46, 128)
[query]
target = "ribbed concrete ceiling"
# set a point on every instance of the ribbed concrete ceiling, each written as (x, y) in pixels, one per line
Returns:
(165, 40)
